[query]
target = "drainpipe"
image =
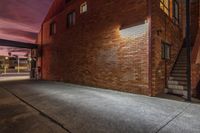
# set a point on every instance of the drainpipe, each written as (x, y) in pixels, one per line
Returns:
(150, 47)
(188, 46)
(41, 53)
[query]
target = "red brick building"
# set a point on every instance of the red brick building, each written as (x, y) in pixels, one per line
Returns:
(128, 45)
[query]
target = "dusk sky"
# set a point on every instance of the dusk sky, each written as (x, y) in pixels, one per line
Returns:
(20, 20)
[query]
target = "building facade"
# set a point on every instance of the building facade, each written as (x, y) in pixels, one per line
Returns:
(130, 45)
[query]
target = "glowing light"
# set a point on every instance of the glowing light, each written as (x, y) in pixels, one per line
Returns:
(29, 59)
(135, 31)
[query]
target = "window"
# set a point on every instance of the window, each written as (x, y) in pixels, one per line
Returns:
(165, 51)
(67, 1)
(71, 19)
(83, 7)
(176, 11)
(165, 6)
(52, 28)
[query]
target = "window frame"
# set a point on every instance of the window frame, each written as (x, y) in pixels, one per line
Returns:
(165, 51)
(70, 23)
(164, 7)
(84, 4)
(53, 28)
(176, 12)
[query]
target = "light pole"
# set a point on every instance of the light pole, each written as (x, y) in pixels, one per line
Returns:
(18, 64)
(188, 46)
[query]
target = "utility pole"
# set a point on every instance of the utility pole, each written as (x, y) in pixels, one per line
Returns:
(188, 46)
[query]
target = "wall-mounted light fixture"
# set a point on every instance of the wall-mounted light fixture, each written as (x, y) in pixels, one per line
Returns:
(134, 31)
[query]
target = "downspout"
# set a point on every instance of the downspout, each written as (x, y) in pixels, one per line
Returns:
(188, 46)
(150, 47)
(41, 50)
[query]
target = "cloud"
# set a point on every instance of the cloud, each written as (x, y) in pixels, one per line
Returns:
(23, 15)
(17, 32)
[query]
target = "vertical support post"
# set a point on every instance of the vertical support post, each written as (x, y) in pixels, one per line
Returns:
(5, 69)
(5, 64)
(18, 65)
(188, 46)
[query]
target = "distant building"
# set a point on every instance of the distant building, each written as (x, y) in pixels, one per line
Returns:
(128, 45)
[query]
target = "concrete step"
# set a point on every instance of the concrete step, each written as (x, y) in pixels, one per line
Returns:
(176, 91)
(180, 87)
(178, 78)
(182, 58)
(173, 82)
(179, 71)
(181, 65)
(180, 68)
(178, 74)
(183, 55)
(181, 62)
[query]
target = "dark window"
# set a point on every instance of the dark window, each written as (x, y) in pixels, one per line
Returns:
(52, 28)
(165, 6)
(71, 19)
(176, 11)
(165, 50)
(67, 1)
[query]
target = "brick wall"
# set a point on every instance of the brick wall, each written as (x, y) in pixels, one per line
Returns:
(163, 29)
(95, 52)
(194, 20)
(195, 79)
(195, 69)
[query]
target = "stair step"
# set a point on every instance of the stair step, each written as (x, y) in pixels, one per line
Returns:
(179, 71)
(179, 74)
(176, 91)
(173, 82)
(178, 78)
(181, 62)
(180, 68)
(180, 65)
(182, 59)
(183, 55)
(180, 87)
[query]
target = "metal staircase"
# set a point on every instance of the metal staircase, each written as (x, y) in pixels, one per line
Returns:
(177, 82)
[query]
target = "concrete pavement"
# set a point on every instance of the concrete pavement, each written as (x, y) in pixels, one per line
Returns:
(81, 109)
(17, 117)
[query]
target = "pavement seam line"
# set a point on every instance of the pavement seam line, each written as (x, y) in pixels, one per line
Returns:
(41, 113)
(181, 112)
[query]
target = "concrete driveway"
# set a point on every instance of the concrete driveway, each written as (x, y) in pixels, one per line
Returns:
(80, 109)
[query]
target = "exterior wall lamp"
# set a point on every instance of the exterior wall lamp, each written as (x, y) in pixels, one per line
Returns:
(134, 31)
